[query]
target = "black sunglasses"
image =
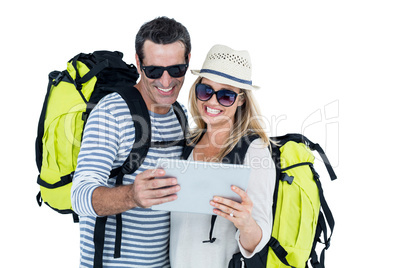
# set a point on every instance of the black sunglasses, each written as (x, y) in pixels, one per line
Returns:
(155, 72)
(225, 97)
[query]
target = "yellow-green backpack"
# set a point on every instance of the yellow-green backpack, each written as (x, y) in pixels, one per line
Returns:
(70, 97)
(301, 214)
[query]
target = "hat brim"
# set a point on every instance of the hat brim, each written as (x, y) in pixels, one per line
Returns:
(223, 80)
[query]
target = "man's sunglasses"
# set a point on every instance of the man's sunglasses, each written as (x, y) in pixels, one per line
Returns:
(225, 97)
(155, 72)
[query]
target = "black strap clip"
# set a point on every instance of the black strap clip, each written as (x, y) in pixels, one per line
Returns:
(287, 178)
(57, 80)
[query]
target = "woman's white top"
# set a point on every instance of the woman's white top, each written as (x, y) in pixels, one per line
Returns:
(189, 230)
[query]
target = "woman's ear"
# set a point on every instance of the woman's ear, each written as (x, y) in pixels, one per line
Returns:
(242, 100)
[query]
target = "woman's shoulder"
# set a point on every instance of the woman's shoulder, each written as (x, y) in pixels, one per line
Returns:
(258, 149)
(258, 145)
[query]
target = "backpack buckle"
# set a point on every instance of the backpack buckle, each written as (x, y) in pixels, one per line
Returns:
(85, 116)
(58, 79)
(328, 243)
(287, 178)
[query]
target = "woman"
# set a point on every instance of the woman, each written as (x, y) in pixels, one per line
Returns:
(222, 105)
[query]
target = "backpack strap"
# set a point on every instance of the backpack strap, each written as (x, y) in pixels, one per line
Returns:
(142, 124)
(142, 143)
(181, 116)
(79, 81)
(281, 140)
(189, 147)
(325, 217)
(236, 156)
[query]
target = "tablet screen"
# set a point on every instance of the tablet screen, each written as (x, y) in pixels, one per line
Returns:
(200, 182)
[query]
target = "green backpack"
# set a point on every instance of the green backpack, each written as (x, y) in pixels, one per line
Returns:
(301, 214)
(70, 97)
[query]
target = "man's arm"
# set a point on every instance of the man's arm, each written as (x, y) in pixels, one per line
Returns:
(145, 192)
(103, 138)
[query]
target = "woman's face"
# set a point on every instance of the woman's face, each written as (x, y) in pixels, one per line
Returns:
(212, 112)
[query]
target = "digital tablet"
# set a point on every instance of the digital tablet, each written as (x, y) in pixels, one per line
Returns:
(200, 182)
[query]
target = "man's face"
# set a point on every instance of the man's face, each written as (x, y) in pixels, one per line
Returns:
(160, 93)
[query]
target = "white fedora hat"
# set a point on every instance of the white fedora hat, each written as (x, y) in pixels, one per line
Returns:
(227, 66)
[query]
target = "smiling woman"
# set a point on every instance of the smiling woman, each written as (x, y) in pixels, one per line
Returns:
(222, 105)
(217, 112)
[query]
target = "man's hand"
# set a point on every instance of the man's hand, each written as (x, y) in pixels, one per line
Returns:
(145, 192)
(149, 191)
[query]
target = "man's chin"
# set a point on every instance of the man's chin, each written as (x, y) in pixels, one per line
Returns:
(163, 105)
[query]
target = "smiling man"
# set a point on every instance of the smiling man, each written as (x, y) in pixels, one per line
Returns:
(159, 85)
(162, 55)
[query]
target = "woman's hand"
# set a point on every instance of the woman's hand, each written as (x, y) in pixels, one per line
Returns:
(240, 215)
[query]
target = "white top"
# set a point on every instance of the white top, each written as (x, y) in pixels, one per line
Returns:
(189, 230)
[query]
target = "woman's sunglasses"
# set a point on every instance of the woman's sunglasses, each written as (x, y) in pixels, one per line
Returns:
(155, 72)
(225, 97)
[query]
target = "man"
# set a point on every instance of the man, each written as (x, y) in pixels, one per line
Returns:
(162, 56)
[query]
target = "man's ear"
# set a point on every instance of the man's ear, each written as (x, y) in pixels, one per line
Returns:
(188, 57)
(137, 61)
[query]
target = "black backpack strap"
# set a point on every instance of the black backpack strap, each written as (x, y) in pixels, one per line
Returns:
(142, 124)
(99, 241)
(211, 230)
(41, 124)
(279, 251)
(189, 147)
(141, 145)
(281, 140)
(325, 217)
(237, 155)
(186, 153)
(181, 116)
(93, 72)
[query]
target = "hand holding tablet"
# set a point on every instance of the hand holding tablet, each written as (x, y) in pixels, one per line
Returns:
(200, 182)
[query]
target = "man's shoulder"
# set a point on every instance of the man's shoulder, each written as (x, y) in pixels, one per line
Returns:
(111, 98)
(113, 103)
(183, 108)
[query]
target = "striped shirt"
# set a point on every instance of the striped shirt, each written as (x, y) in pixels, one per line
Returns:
(107, 141)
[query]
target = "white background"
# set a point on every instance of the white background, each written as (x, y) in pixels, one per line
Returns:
(329, 69)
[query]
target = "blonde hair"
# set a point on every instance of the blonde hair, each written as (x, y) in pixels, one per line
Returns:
(247, 121)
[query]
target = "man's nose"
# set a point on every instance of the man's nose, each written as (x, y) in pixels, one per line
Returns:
(165, 79)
